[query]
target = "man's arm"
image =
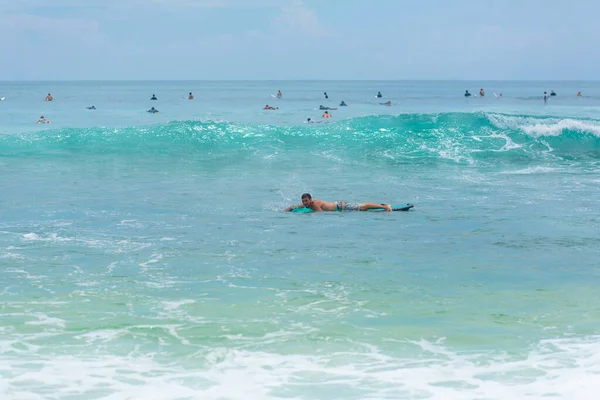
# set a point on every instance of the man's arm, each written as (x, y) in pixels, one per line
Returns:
(290, 208)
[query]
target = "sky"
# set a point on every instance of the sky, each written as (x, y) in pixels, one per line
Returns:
(299, 39)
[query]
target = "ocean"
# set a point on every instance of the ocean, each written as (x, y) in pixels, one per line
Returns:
(147, 256)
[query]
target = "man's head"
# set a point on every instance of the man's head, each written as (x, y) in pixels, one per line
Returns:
(306, 200)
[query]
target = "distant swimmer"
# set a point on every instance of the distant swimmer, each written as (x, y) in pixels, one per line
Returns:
(190, 96)
(545, 97)
(312, 121)
(379, 95)
(387, 103)
(153, 97)
(279, 94)
(500, 94)
(42, 120)
(579, 94)
(321, 205)
(343, 104)
(467, 94)
(91, 108)
(322, 107)
(481, 92)
(552, 93)
(153, 111)
(325, 94)
(326, 115)
(268, 107)
(49, 97)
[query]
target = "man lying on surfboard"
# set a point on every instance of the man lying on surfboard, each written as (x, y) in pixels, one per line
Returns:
(320, 205)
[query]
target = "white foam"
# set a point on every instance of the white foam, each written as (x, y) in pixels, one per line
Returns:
(11, 256)
(537, 127)
(155, 259)
(173, 305)
(532, 170)
(555, 129)
(566, 368)
(44, 319)
(131, 223)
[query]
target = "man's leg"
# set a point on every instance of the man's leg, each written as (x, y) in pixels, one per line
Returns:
(370, 206)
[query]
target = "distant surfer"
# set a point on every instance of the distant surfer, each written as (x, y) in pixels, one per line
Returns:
(321, 205)
(153, 97)
(91, 108)
(343, 104)
(42, 120)
(481, 92)
(467, 94)
(387, 103)
(268, 107)
(190, 96)
(279, 94)
(552, 93)
(579, 94)
(326, 115)
(322, 107)
(49, 97)
(325, 94)
(379, 95)
(545, 97)
(153, 111)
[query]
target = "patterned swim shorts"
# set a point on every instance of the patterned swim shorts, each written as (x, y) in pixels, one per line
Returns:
(343, 206)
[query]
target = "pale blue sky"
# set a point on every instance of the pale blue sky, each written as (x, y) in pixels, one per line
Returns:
(299, 39)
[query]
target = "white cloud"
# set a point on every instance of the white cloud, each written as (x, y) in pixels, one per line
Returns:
(236, 4)
(50, 26)
(21, 5)
(297, 18)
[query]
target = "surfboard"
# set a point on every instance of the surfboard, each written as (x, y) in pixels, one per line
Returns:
(405, 207)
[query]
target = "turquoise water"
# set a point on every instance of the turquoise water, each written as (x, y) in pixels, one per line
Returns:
(146, 256)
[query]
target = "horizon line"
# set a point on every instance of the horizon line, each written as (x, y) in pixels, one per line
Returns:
(299, 80)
